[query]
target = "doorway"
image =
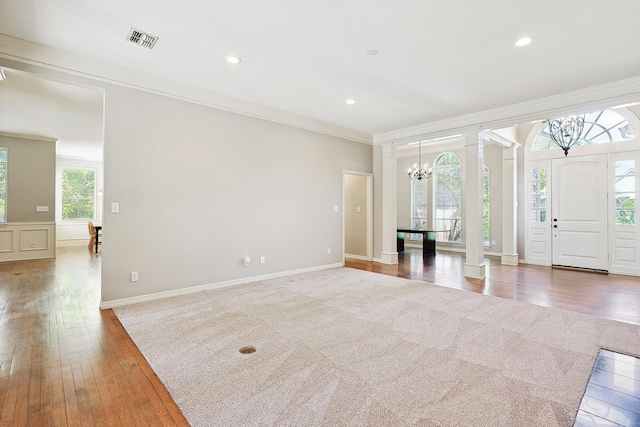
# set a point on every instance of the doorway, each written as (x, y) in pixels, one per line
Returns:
(579, 212)
(357, 215)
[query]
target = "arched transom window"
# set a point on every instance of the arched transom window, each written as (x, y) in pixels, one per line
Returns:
(600, 127)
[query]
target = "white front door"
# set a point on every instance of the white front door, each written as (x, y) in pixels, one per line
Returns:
(579, 212)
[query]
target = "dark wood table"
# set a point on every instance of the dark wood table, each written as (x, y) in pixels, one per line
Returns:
(428, 240)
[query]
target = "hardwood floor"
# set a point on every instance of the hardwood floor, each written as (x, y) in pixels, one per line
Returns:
(65, 362)
(610, 296)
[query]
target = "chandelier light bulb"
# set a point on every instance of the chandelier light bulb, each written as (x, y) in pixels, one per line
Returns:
(422, 172)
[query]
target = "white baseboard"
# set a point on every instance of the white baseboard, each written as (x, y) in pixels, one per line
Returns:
(361, 257)
(184, 291)
(67, 243)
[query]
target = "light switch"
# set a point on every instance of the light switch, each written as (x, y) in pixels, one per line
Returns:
(42, 208)
(358, 209)
(115, 207)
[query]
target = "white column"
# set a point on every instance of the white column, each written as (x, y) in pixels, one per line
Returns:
(474, 266)
(389, 204)
(509, 205)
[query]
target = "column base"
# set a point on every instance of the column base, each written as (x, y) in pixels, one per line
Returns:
(389, 258)
(474, 271)
(510, 259)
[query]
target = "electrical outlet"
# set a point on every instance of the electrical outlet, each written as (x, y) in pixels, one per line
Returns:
(246, 261)
(134, 276)
(262, 259)
(328, 251)
(493, 243)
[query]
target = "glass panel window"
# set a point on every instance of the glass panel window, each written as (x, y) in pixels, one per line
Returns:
(3, 185)
(448, 198)
(600, 127)
(538, 194)
(418, 206)
(486, 205)
(625, 190)
(78, 193)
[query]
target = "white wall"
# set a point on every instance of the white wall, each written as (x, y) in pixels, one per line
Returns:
(200, 189)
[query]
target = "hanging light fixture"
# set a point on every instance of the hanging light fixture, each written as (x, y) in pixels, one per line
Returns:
(566, 131)
(420, 171)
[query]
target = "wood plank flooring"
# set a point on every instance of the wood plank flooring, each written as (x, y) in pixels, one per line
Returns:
(63, 362)
(609, 296)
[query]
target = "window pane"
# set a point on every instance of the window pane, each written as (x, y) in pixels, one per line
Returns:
(624, 167)
(3, 185)
(625, 188)
(625, 216)
(448, 204)
(538, 195)
(78, 193)
(600, 127)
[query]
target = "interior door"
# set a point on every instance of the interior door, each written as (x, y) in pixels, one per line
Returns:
(579, 212)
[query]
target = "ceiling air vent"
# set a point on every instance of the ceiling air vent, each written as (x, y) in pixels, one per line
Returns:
(142, 39)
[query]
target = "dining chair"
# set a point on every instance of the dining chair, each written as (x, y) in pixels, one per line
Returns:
(93, 236)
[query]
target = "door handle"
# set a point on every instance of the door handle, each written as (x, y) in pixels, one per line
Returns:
(555, 225)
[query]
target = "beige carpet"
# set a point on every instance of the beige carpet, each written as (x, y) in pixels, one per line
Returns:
(346, 347)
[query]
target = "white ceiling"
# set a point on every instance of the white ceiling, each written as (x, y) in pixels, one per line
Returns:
(436, 60)
(44, 108)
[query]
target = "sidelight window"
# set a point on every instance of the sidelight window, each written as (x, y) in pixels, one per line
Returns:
(625, 191)
(538, 194)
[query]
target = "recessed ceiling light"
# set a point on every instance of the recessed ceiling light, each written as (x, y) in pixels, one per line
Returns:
(233, 60)
(351, 101)
(524, 41)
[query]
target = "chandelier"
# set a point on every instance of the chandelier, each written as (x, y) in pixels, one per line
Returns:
(565, 132)
(418, 171)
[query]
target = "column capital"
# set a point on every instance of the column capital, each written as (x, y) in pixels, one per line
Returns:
(510, 153)
(388, 149)
(473, 138)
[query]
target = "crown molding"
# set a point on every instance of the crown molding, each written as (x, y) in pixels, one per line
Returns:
(580, 101)
(28, 136)
(30, 53)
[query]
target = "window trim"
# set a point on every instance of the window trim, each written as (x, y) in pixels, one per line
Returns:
(3, 219)
(486, 174)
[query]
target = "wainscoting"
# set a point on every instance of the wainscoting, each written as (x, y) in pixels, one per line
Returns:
(27, 240)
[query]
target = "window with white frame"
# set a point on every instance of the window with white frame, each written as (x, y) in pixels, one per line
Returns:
(625, 191)
(3, 185)
(538, 182)
(419, 201)
(448, 198)
(78, 193)
(600, 127)
(486, 205)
